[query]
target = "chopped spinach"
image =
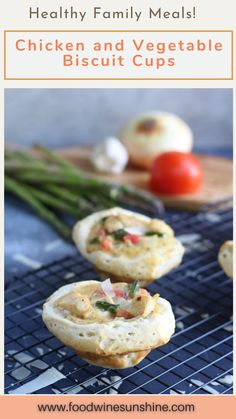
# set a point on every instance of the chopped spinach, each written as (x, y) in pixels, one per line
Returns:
(105, 218)
(94, 240)
(154, 233)
(133, 288)
(119, 234)
(103, 305)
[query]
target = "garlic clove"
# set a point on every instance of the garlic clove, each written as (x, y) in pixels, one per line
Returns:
(110, 156)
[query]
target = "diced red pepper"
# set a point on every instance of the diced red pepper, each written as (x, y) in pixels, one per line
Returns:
(133, 238)
(107, 244)
(124, 313)
(121, 293)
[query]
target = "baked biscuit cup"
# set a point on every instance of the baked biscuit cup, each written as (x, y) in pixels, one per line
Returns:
(225, 258)
(112, 340)
(128, 246)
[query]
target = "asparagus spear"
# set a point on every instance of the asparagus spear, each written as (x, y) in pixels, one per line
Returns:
(38, 176)
(24, 193)
(55, 175)
(69, 167)
(68, 174)
(56, 158)
(20, 157)
(143, 196)
(69, 196)
(60, 185)
(53, 202)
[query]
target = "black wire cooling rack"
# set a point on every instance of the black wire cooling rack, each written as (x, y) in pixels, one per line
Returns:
(198, 359)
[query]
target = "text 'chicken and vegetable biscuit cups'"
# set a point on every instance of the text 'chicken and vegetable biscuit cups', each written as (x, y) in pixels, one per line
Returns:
(127, 246)
(110, 325)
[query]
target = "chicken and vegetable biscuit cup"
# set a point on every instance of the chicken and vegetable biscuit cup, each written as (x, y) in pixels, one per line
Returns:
(110, 325)
(128, 246)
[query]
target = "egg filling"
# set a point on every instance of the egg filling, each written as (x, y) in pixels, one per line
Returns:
(124, 234)
(106, 302)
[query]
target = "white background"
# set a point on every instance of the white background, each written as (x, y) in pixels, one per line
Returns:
(188, 64)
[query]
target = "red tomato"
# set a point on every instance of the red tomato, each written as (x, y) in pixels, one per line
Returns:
(107, 244)
(121, 293)
(133, 238)
(124, 313)
(175, 172)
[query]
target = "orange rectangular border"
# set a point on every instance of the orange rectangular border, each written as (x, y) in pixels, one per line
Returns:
(25, 407)
(122, 31)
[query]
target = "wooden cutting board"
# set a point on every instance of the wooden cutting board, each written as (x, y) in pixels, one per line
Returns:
(218, 179)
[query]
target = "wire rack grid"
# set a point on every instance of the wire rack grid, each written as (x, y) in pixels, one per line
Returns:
(198, 358)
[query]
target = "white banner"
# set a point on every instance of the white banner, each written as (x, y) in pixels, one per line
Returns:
(170, 55)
